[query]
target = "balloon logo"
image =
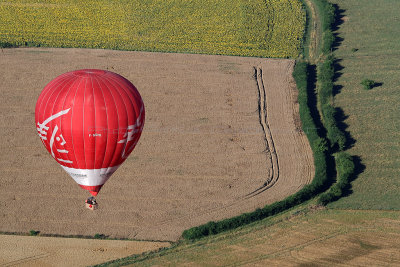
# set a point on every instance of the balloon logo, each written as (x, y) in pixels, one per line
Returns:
(90, 121)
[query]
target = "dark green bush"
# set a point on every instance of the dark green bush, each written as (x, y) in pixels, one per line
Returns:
(33, 232)
(100, 236)
(320, 144)
(368, 84)
(6, 45)
(345, 165)
(334, 134)
(345, 169)
(325, 77)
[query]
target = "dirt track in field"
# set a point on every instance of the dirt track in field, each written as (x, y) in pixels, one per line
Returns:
(222, 137)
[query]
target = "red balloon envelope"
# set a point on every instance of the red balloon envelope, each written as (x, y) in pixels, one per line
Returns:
(90, 121)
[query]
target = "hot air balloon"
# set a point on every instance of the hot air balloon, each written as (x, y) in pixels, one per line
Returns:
(90, 121)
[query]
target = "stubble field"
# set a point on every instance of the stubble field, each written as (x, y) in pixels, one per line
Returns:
(206, 153)
(306, 237)
(32, 251)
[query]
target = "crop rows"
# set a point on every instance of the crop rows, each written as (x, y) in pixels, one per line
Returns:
(266, 28)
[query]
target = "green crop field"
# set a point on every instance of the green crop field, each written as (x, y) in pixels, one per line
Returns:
(271, 28)
(372, 27)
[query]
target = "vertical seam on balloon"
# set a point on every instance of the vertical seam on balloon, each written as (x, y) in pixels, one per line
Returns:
(123, 87)
(128, 95)
(83, 123)
(61, 128)
(50, 91)
(72, 115)
(49, 86)
(126, 148)
(64, 83)
(43, 98)
(118, 125)
(140, 108)
(134, 104)
(105, 104)
(51, 123)
(117, 109)
(94, 107)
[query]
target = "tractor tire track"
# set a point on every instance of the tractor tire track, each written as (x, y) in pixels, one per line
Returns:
(271, 154)
(26, 260)
(270, 151)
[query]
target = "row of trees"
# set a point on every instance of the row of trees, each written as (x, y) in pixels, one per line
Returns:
(336, 138)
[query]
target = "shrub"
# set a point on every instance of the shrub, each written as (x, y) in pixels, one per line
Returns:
(368, 84)
(320, 144)
(100, 236)
(345, 169)
(33, 232)
(6, 45)
(334, 134)
(345, 165)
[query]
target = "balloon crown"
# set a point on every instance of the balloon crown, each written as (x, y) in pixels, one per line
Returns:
(89, 72)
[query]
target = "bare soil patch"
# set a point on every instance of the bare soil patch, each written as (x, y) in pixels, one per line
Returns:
(217, 129)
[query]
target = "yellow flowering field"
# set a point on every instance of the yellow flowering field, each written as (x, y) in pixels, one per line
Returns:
(265, 28)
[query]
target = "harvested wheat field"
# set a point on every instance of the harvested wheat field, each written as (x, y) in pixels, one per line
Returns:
(311, 236)
(33, 251)
(222, 136)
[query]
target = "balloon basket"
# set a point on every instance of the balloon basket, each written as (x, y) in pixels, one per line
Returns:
(91, 203)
